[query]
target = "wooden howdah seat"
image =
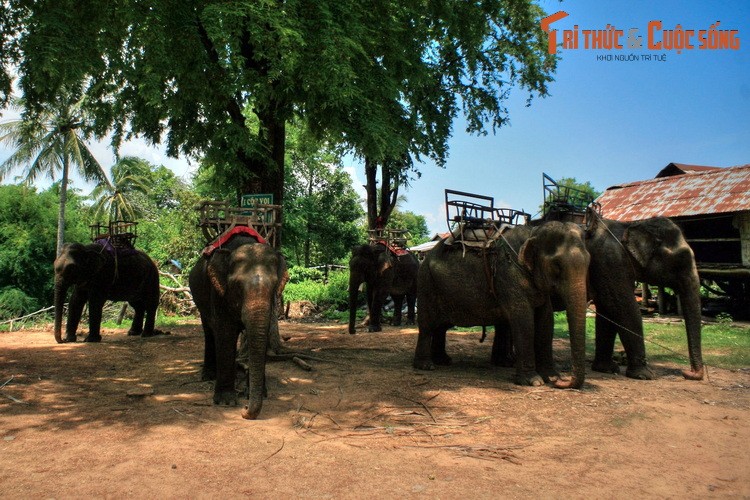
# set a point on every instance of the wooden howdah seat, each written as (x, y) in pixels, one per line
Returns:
(474, 221)
(217, 218)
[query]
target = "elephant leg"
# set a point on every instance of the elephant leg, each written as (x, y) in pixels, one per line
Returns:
(149, 319)
(631, 337)
(376, 311)
(502, 346)
(95, 320)
(544, 332)
(422, 354)
(411, 303)
(438, 353)
(75, 311)
(604, 345)
(225, 340)
(136, 328)
(522, 329)
(398, 303)
(209, 352)
(431, 348)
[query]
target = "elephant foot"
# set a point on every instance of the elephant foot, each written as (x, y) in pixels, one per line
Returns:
(423, 364)
(503, 361)
(374, 328)
(641, 372)
(133, 333)
(352, 331)
(442, 359)
(693, 375)
(549, 375)
(410, 321)
(93, 338)
(251, 411)
(225, 398)
(533, 379)
(71, 337)
(605, 366)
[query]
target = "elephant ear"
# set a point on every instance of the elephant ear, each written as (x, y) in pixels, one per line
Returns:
(527, 255)
(218, 270)
(640, 244)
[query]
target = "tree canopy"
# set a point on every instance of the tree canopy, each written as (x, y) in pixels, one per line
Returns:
(381, 78)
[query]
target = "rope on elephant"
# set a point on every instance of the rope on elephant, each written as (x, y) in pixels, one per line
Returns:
(625, 329)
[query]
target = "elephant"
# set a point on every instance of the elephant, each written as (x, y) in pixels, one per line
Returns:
(512, 291)
(384, 273)
(622, 253)
(237, 287)
(99, 272)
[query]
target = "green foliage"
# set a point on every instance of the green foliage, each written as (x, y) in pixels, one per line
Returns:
(416, 224)
(321, 209)
(298, 274)
(329, 296)
(27, 237)
(14, 303)
(381, 79)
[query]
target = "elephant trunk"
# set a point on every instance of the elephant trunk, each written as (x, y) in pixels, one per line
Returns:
(61, 289)
(575, 306)
(689, 293)
(257, 321)
(354, 283)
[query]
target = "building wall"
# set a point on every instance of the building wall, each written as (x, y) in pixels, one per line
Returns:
(742, 222)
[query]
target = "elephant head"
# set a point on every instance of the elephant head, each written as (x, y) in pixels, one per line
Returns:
(77, 264)
(368, 264)
(557, 259)
(247, 283)
(660, 255)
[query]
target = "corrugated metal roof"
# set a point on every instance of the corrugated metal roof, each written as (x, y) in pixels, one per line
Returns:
(703, 191)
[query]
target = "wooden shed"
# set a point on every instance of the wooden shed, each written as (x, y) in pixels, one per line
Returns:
(710, 204)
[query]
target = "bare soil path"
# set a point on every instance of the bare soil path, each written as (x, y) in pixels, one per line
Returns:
(129, 417)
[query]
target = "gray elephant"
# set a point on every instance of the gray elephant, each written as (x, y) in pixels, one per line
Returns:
(511, 290)
(654, 251)
(237, 288)
(383, 273)
(99, 272)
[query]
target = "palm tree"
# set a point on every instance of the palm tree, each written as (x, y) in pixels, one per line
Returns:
(115, 199)
(53, 140)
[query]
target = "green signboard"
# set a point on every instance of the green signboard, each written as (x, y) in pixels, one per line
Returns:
(250, 200)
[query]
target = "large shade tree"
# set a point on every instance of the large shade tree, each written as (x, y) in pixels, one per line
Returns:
(49, 143)
(383, 78)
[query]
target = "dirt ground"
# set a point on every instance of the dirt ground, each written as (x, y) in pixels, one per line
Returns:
(129, 417)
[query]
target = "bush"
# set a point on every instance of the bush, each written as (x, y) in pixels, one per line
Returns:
(334, 294)
(298, 274)
(14, 303)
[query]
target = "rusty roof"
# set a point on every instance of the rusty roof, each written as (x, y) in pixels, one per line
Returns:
(695, 191)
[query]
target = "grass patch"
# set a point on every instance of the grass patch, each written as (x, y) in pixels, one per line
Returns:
(724, 345)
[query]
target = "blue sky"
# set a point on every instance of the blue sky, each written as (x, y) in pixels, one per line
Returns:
(609, 122)
(605, 122)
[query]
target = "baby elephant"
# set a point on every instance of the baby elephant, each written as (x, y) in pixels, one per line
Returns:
(236, 288)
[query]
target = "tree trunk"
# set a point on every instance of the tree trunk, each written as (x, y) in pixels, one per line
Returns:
(379, 208)
(63, 201)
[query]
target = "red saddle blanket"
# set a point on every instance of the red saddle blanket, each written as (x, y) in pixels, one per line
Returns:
(397, 251)
(227, 235)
